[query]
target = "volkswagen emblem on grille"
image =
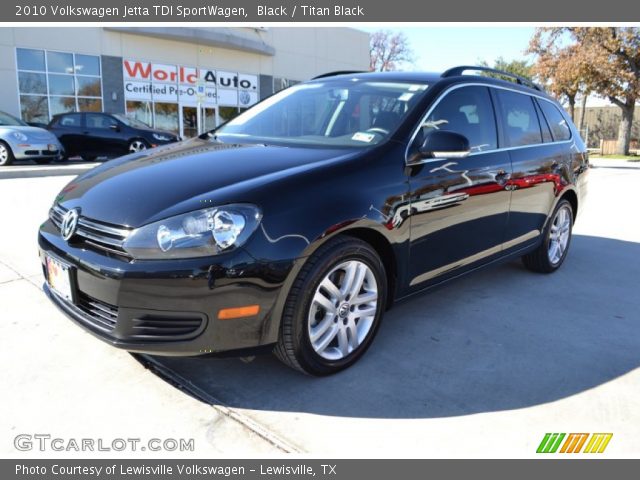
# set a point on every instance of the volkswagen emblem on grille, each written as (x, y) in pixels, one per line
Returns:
(69, 223)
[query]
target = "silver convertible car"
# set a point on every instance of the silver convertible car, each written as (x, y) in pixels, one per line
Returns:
(19, 141)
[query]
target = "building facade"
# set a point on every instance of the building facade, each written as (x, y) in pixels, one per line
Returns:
(186, 80)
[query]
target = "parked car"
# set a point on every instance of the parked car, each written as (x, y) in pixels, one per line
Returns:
(297, 224)
(93, 134)
(19, 141)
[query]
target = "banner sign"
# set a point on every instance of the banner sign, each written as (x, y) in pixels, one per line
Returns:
(157, 82)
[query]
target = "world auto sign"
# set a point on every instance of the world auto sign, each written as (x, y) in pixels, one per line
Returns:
(156, 82)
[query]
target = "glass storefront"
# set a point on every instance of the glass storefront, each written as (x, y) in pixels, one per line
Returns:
(52, 82)
(187, 100)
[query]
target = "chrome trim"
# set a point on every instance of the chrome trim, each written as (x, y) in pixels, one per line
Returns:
(95, 233)
(476, 84)
(120, 232)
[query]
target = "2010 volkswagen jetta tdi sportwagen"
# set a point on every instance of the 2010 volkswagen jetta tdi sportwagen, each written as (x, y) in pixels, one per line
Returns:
(294, 226)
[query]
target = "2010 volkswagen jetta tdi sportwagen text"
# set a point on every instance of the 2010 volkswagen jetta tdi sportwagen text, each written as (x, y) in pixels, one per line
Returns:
(296, 225)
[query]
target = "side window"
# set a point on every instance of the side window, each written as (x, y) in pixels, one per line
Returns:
(520, 121)
(546, 131)
(95, 120)
(71, 120)
(469, 112)
(558, 124)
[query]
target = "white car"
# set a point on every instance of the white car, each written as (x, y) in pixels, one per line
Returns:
(19, 141)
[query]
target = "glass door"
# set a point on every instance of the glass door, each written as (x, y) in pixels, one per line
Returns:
(208, 119)
(188, 121)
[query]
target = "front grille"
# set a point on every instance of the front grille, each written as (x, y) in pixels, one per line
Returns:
(165, 328)
(101, 314)
(98, 235)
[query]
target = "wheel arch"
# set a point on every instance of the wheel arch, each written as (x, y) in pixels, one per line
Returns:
(572, 198)
(383, 248)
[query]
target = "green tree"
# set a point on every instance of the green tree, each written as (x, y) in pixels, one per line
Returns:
(522, 68)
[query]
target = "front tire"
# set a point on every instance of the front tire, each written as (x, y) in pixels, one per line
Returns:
(550, 255)
(6, 155)
(137, 145)
(334, 308)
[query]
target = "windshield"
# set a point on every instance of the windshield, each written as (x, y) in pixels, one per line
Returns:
(130, 121)
(7, 120)
(345, 113)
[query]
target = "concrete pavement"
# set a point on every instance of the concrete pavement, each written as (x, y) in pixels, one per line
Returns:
(482, 367)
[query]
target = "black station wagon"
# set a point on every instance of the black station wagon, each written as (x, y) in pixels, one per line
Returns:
(294, 226)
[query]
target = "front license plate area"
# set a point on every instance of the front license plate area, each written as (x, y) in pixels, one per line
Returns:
(59, 277)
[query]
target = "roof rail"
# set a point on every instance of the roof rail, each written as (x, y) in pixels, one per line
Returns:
(338, 72)
(456, 71)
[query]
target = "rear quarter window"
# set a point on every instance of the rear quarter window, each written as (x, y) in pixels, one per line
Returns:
(559, 127)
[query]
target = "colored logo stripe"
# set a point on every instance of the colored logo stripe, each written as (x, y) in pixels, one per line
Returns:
(550, 443)
(598, 442)
(574, 442)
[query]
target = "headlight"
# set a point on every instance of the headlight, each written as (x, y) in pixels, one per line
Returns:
(21, 137)
(196, 234)
(162, 138)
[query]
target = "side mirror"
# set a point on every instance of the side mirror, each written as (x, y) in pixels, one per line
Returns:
(443, 144)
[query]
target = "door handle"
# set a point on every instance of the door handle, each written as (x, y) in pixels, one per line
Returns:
(501, 176)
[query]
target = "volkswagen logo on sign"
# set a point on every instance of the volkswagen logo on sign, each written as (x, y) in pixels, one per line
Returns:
(69, 223)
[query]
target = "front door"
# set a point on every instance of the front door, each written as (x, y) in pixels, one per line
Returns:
(459, 206)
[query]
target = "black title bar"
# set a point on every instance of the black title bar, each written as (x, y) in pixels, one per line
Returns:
(348, 11)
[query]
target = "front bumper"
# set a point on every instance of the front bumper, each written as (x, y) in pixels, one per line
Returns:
(168, 307)
(28, 151)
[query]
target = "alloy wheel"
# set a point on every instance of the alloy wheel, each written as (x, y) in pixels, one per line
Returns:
(343, 310)
(4, 154)
(559, 235)
(137, 146)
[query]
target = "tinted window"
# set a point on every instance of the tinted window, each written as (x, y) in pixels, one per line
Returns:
(546, 131)
(30, 59)
(519, 119)
(60, 62)
(32, 82)
(558, 124)
(100, 121)
(469, 112)
(87, 64)
(73, 120)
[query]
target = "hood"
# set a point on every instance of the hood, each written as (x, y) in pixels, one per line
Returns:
(147, 186)
(32, 133)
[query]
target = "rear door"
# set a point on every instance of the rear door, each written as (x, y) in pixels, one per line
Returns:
(68, 129)
(459, 206)
(537, 162)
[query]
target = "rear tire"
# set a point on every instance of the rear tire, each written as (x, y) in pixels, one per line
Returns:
(550, 255)
(334, 308)
(6, 155)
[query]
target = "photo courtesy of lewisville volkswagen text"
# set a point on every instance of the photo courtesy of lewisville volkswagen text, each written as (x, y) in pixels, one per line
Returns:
(321, 240)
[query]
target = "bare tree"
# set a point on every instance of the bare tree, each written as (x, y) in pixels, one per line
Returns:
(388, 50)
